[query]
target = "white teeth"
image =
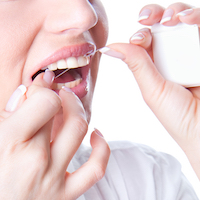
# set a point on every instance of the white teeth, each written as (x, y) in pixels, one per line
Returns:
(71, 62)
(82, 61)
(58, 86)
(52, 66)
(73, 83)
(61, 64)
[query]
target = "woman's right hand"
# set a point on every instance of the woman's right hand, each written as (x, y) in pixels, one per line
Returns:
(176, 107)
(33, 167)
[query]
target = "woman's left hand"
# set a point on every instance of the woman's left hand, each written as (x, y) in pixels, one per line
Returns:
(32, 167)
(176, 107)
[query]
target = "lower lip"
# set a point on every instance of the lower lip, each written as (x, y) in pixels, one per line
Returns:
(81, 90)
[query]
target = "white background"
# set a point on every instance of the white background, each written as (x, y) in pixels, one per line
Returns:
(119, 111)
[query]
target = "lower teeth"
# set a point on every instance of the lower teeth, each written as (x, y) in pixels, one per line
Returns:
(72, 84)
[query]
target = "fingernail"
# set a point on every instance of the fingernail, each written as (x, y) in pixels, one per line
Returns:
(66, 89)
(110, 52)
(15, 98)
(185, 12)
(98, 132)
(167, 16)
(48, 76)
(137, 36)
(145, 14)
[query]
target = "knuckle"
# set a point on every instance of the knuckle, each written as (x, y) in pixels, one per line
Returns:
(99, 168)
(39, 159)
(48, 97)
(145, 31)
(136, 63)
(99, 172)
(107, 149)
(179, 5)
(52, 98)
(156, 94)
(80, 123)
(44, 95)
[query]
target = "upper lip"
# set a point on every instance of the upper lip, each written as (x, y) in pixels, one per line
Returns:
(65, 52)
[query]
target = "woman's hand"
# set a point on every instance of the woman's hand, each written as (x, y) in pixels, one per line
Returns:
(32, 167)
(176, 107)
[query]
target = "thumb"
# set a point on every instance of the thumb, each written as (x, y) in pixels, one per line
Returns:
(21, 93)
(141, 65)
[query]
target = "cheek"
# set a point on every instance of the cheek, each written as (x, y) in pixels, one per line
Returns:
(95, 68)
(9, 81)
(18, 27)
(100, 31)
(87, 100)
(19, 23)
(13, 53)
(17, 33)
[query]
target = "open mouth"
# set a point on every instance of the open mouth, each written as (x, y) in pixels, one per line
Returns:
(71, 78)
(71, 66)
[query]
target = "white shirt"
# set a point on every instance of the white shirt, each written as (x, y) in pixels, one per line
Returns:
(137, 172)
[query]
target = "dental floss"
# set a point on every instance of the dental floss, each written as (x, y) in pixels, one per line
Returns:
(176, 52)
(62, 73)
(91, 53)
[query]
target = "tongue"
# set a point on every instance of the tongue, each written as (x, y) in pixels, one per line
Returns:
(71, 75)
(66, 77)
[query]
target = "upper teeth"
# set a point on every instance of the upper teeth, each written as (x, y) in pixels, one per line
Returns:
(71, 62)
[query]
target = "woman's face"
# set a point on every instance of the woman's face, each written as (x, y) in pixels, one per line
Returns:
(35, 34)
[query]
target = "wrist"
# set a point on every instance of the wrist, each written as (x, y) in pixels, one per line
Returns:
(192, 151)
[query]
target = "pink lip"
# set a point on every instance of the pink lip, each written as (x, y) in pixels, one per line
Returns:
(63, 53)
(71, 51)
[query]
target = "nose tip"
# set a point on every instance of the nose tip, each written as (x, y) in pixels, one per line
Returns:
(78, 15)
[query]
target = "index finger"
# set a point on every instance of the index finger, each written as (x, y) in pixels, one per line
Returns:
(170, 17)
(40, 106)
(31, 116)
(190, 16)
(151, 14)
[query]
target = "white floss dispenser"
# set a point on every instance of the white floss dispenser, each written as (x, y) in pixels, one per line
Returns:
(176, 51)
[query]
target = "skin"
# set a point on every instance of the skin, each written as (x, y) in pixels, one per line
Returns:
(28, 156)
(176, 107)
(35, 33)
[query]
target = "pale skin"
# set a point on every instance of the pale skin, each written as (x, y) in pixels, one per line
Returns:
(30, 160)
(176, 107)
(27, 157)
(32, 165)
